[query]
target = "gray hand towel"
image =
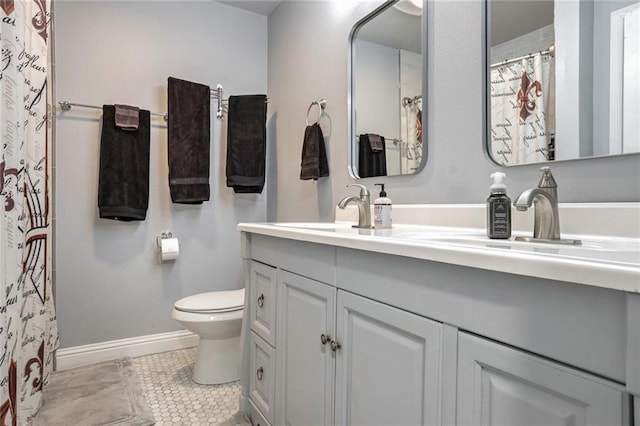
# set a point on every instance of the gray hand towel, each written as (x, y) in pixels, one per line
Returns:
(375, 141)
(127, 117)
(314, 155)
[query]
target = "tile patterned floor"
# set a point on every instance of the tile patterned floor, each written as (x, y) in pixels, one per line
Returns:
(178, 401)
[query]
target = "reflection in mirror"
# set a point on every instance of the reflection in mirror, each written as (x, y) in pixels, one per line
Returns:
(557, 70)
(386, 91)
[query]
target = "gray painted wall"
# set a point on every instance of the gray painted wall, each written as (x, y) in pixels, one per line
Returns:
(308, 60)
(109, 284)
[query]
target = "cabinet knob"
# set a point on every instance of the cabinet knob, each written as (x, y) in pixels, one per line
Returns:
(335, 345)
(260, 373)
(261, 301)
(324, 339)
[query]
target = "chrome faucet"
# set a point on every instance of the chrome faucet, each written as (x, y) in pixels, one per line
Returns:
(364, 205)
(546, 224)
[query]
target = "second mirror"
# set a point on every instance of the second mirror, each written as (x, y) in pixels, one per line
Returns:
(386, 91)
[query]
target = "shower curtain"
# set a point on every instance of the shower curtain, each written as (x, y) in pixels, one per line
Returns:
(28, 333)
(519, 105)
(411, 135)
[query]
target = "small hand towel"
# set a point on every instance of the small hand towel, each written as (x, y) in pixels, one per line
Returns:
(189, 134)
(127, 117)
(123, 175)
(314, 156)
(371, 163)
(246, 143)
(375, 141)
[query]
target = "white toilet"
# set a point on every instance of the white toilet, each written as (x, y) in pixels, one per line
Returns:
(216, 317)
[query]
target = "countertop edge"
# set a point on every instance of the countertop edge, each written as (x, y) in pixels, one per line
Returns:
(603, 275)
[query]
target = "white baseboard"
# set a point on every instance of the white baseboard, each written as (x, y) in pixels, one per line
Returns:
(78, 356)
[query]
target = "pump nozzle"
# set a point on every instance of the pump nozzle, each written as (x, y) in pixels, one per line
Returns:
(382, 193)
(498, 182)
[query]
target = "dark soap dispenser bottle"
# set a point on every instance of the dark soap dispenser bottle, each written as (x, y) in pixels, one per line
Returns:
(498, 209)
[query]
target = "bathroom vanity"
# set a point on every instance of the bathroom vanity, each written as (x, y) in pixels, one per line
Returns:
(426, 324)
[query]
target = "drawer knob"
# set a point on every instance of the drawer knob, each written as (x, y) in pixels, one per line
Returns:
(335, 345)
(260, 373)
(324, 339)
(261, 301)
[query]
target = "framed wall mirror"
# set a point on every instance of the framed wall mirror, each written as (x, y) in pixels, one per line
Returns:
(563, 79)
(385, 96)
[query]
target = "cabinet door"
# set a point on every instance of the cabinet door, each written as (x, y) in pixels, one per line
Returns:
(304, 386)
(499, 385)
(262, 301)
(387, 370)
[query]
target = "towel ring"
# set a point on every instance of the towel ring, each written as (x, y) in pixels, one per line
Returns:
(322, 104)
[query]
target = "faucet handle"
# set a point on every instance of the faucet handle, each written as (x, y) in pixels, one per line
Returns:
(364, 192)
(547, 180)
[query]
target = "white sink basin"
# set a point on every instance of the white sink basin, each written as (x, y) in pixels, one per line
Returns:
(598, 249)
(619, 250)
(323, 226)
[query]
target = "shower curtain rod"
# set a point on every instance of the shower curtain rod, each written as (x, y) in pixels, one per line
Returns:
(551, 51)
(408, 101)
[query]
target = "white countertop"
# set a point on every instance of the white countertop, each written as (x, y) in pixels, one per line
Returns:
(608, 262)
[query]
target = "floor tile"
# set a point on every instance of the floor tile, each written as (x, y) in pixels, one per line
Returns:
(176, 400)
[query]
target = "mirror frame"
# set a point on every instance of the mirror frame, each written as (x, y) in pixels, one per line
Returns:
(352, 155)
(486, 89)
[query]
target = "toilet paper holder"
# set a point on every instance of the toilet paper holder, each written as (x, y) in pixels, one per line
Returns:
(166, 234)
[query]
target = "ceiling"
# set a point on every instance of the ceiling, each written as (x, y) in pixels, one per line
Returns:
(511, 19)
(262, 7)
(395, 29)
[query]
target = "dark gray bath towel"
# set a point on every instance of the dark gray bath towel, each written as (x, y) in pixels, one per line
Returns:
(189, 128)
(371, 162)
(314, 156)
(246, 143)
(123, 181)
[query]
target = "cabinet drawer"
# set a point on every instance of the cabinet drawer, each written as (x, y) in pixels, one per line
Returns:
(257, 419)
(262, 367)
(262, 301)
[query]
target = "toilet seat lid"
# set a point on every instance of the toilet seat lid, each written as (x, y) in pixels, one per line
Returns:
(213, 301)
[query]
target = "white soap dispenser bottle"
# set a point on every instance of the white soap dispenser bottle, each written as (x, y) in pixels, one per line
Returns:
(382, 210)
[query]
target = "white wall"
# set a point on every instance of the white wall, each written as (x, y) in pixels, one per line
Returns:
(109, 284)
(377, 89)
(308, 60)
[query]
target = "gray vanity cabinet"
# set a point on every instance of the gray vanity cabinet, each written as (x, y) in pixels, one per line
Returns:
(260, 311)
(385, 361)
(360, 337)
(388, 365)
(305, 366)
(499, 385)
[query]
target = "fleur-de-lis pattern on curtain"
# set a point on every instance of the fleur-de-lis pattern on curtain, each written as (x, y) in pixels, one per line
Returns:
(519, 122)
(28, 331)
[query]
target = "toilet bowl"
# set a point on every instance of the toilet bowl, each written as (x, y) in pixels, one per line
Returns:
(216, 317)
